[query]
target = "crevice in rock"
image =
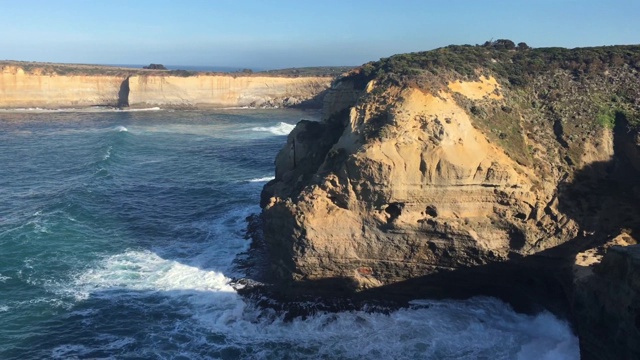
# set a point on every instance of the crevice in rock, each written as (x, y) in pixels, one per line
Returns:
(394, 210)
(559, 132)
(431, 211)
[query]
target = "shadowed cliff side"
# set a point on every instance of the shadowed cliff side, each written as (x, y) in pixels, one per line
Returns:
(123, 94)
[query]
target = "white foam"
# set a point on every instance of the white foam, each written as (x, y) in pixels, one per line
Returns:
(121, 128)
(550, 334)
(146, 271)
(142, 109)
(4, 308)
(476, 328)
(4, 278)
(94, 109)
(281, 128)
(107, 155)
(262, 179)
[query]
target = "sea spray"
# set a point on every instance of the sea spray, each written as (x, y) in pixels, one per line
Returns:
(281, 128)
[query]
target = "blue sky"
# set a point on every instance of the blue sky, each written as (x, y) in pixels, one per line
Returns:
(277, 34)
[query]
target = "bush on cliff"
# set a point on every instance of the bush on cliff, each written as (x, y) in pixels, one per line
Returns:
(519, 67)
(155, 67)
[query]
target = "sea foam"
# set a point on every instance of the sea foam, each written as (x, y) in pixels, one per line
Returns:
(280, 129)
(146, 271)
(262, 179)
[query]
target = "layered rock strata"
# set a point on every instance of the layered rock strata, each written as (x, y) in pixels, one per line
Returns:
(34, 89)
(451, 185)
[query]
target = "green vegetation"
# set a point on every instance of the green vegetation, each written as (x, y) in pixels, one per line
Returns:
(155, 67)
(326, 71)
(606, 118)
(518, 64)
(559, 99)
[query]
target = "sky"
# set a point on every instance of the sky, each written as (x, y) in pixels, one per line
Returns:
(267, 34)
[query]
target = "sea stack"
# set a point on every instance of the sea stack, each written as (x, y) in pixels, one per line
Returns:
(471, 170)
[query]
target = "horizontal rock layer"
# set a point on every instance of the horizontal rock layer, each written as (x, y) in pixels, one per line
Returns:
(448, 185)
(20, 89)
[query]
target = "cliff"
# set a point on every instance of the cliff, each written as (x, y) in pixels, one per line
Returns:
(42, 88)
(462, 171)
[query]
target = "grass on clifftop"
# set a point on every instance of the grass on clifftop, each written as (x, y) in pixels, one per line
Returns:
(89, 70)
(519, 64)
(554, 98)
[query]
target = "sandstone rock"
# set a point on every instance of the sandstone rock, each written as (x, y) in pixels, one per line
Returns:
(20, 89)
(427, 194)
(429, 183)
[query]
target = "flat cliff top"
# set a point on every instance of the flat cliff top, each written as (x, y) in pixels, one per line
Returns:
(45, 68)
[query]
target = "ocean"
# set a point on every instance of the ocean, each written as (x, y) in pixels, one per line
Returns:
(119, 234)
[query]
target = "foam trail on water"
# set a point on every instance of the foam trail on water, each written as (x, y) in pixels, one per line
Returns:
(280, 129)
(96, 109)
(143, 109)
(262, 179)
(107, 155)
(121, 128)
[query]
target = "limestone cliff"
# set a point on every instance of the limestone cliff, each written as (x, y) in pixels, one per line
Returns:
(42, 89)
(223, 91)
(460, 171)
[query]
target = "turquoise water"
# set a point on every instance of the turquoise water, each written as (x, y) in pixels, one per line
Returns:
(118, 235)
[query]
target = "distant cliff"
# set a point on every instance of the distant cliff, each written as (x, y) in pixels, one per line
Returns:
(42, 88)
(468, 170)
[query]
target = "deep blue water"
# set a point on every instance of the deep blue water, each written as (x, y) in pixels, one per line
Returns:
(118, 234)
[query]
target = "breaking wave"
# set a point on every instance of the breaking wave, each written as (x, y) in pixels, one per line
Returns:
(280, 129)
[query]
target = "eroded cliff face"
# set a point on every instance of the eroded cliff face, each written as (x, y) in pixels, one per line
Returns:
(449, 185)
(403, 183)
(223, 91)
(406, 190)
(20, 89)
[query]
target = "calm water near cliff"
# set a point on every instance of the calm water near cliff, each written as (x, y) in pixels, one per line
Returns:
(118, 234)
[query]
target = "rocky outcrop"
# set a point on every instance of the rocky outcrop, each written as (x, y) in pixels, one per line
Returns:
(406, 187)
(607, 300)
(36, 89)
(441, 184)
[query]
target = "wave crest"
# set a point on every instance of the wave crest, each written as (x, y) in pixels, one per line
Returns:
(280, 129)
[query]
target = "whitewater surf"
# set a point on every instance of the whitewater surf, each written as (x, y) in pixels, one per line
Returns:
(120, 233)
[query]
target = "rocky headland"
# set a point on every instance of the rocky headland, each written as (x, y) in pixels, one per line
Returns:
(495, 169)
(54, 86)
